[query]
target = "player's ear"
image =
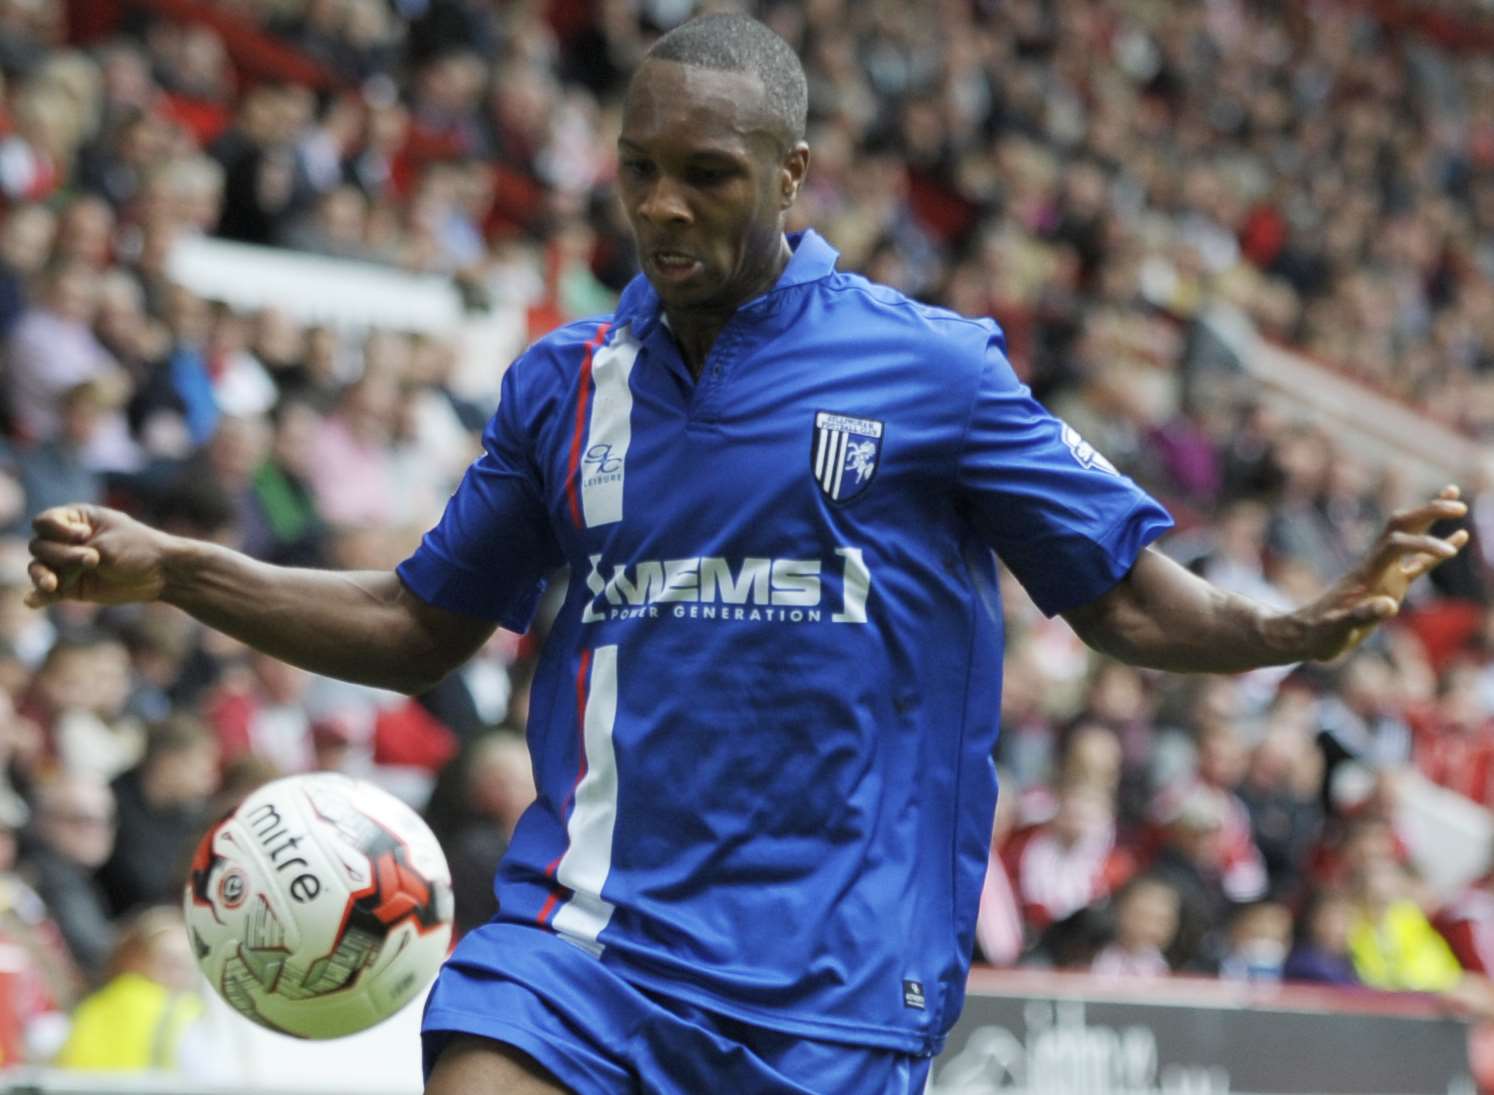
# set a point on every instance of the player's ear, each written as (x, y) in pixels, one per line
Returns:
(791, 172)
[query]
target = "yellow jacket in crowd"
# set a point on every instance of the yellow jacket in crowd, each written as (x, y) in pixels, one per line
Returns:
(132, 1024)
(1401, 950)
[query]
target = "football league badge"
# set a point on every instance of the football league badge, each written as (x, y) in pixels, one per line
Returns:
(845, 454)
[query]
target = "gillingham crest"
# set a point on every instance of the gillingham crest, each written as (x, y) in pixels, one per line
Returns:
(844, 454)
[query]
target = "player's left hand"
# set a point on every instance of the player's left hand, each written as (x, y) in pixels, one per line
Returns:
(1372, 592)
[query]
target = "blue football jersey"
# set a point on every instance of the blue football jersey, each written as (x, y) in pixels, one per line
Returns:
(762, 725)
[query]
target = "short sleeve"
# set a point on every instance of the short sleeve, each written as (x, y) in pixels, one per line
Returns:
(1059, 514)
(490, 553)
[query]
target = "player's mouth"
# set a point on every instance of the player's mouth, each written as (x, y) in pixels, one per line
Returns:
(673, 266)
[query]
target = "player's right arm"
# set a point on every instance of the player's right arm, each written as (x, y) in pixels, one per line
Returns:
(363, 626)
(483, 565)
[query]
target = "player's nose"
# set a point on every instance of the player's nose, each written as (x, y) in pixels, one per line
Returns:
(664, 203)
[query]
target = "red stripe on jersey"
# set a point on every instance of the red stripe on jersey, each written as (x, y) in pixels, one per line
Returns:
(583, 679)
(583, 675)
(583, 400)
(551, 903)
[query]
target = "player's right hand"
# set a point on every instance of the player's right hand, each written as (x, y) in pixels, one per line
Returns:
(1374, 590)
(91, 553)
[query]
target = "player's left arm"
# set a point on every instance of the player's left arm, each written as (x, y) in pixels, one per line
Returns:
(1162, 616)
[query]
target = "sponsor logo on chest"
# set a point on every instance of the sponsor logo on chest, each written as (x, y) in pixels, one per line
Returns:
(713, 588)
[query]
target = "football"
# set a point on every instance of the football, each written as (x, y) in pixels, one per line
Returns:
(320, 906)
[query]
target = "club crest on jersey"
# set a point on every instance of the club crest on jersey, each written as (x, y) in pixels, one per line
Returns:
(844, 454)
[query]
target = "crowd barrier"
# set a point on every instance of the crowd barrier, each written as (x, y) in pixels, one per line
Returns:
(1374, 427)
(355, 296)
(1035, 1032)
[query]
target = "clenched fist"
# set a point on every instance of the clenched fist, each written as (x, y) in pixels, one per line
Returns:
(92, 553)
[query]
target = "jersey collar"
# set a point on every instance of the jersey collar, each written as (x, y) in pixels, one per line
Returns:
(812, 260)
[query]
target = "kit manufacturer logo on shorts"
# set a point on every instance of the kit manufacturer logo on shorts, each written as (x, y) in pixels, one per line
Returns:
(844, 454)
(913, 995)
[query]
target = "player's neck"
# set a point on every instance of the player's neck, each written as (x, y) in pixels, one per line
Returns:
(695, 330)
(695, 333)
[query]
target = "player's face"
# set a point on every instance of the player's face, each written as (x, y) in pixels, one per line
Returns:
(705, 183)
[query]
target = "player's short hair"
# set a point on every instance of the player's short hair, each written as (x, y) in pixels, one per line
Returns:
(738, 43)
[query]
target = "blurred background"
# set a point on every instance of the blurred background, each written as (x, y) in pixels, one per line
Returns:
(262, 263)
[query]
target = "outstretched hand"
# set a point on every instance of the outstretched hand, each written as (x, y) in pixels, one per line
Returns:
(1373, 591)
(91, 553)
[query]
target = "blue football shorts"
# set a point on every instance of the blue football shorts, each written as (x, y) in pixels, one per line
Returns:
(600, 1035)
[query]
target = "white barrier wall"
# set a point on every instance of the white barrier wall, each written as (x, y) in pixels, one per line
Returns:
(1035, 1032)
(1380, 430)
(356, 296)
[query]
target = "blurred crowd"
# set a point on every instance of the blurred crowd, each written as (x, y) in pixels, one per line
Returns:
(1096, 174)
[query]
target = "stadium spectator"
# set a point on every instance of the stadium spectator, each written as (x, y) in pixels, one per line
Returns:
(174, 408)
(26, 240)
(474, 806)
(1000, 932)
(259, 709)
(45, 981)
(1280, 793)
(71, 836)
(1320, 952)
(1221, 767)
(1028, 739)
(161, 805)
(1257, 944)
(234, 456)
(1147, 912)
(138, 1017)
(1118, 699)
(1361, 719)
(85, 232)
(159, 644)
(335, 226)
(52, 348)
(282, 523)
(352, 469)
(195, 77)
(1467, 923)
(36, 157)
(78, 698)
(95, 733)
(132, 144)
(1454, 737)
(1390, 939)
(1071, 861)
(241, 386)
(1193, 860)
(56, 469)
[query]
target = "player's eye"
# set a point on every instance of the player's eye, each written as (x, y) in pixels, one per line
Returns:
(637, 169)
(707, 176)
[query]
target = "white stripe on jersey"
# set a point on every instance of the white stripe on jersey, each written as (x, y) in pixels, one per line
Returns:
(844, 440)
(612, 427)
(825, 466)
(588, 855)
